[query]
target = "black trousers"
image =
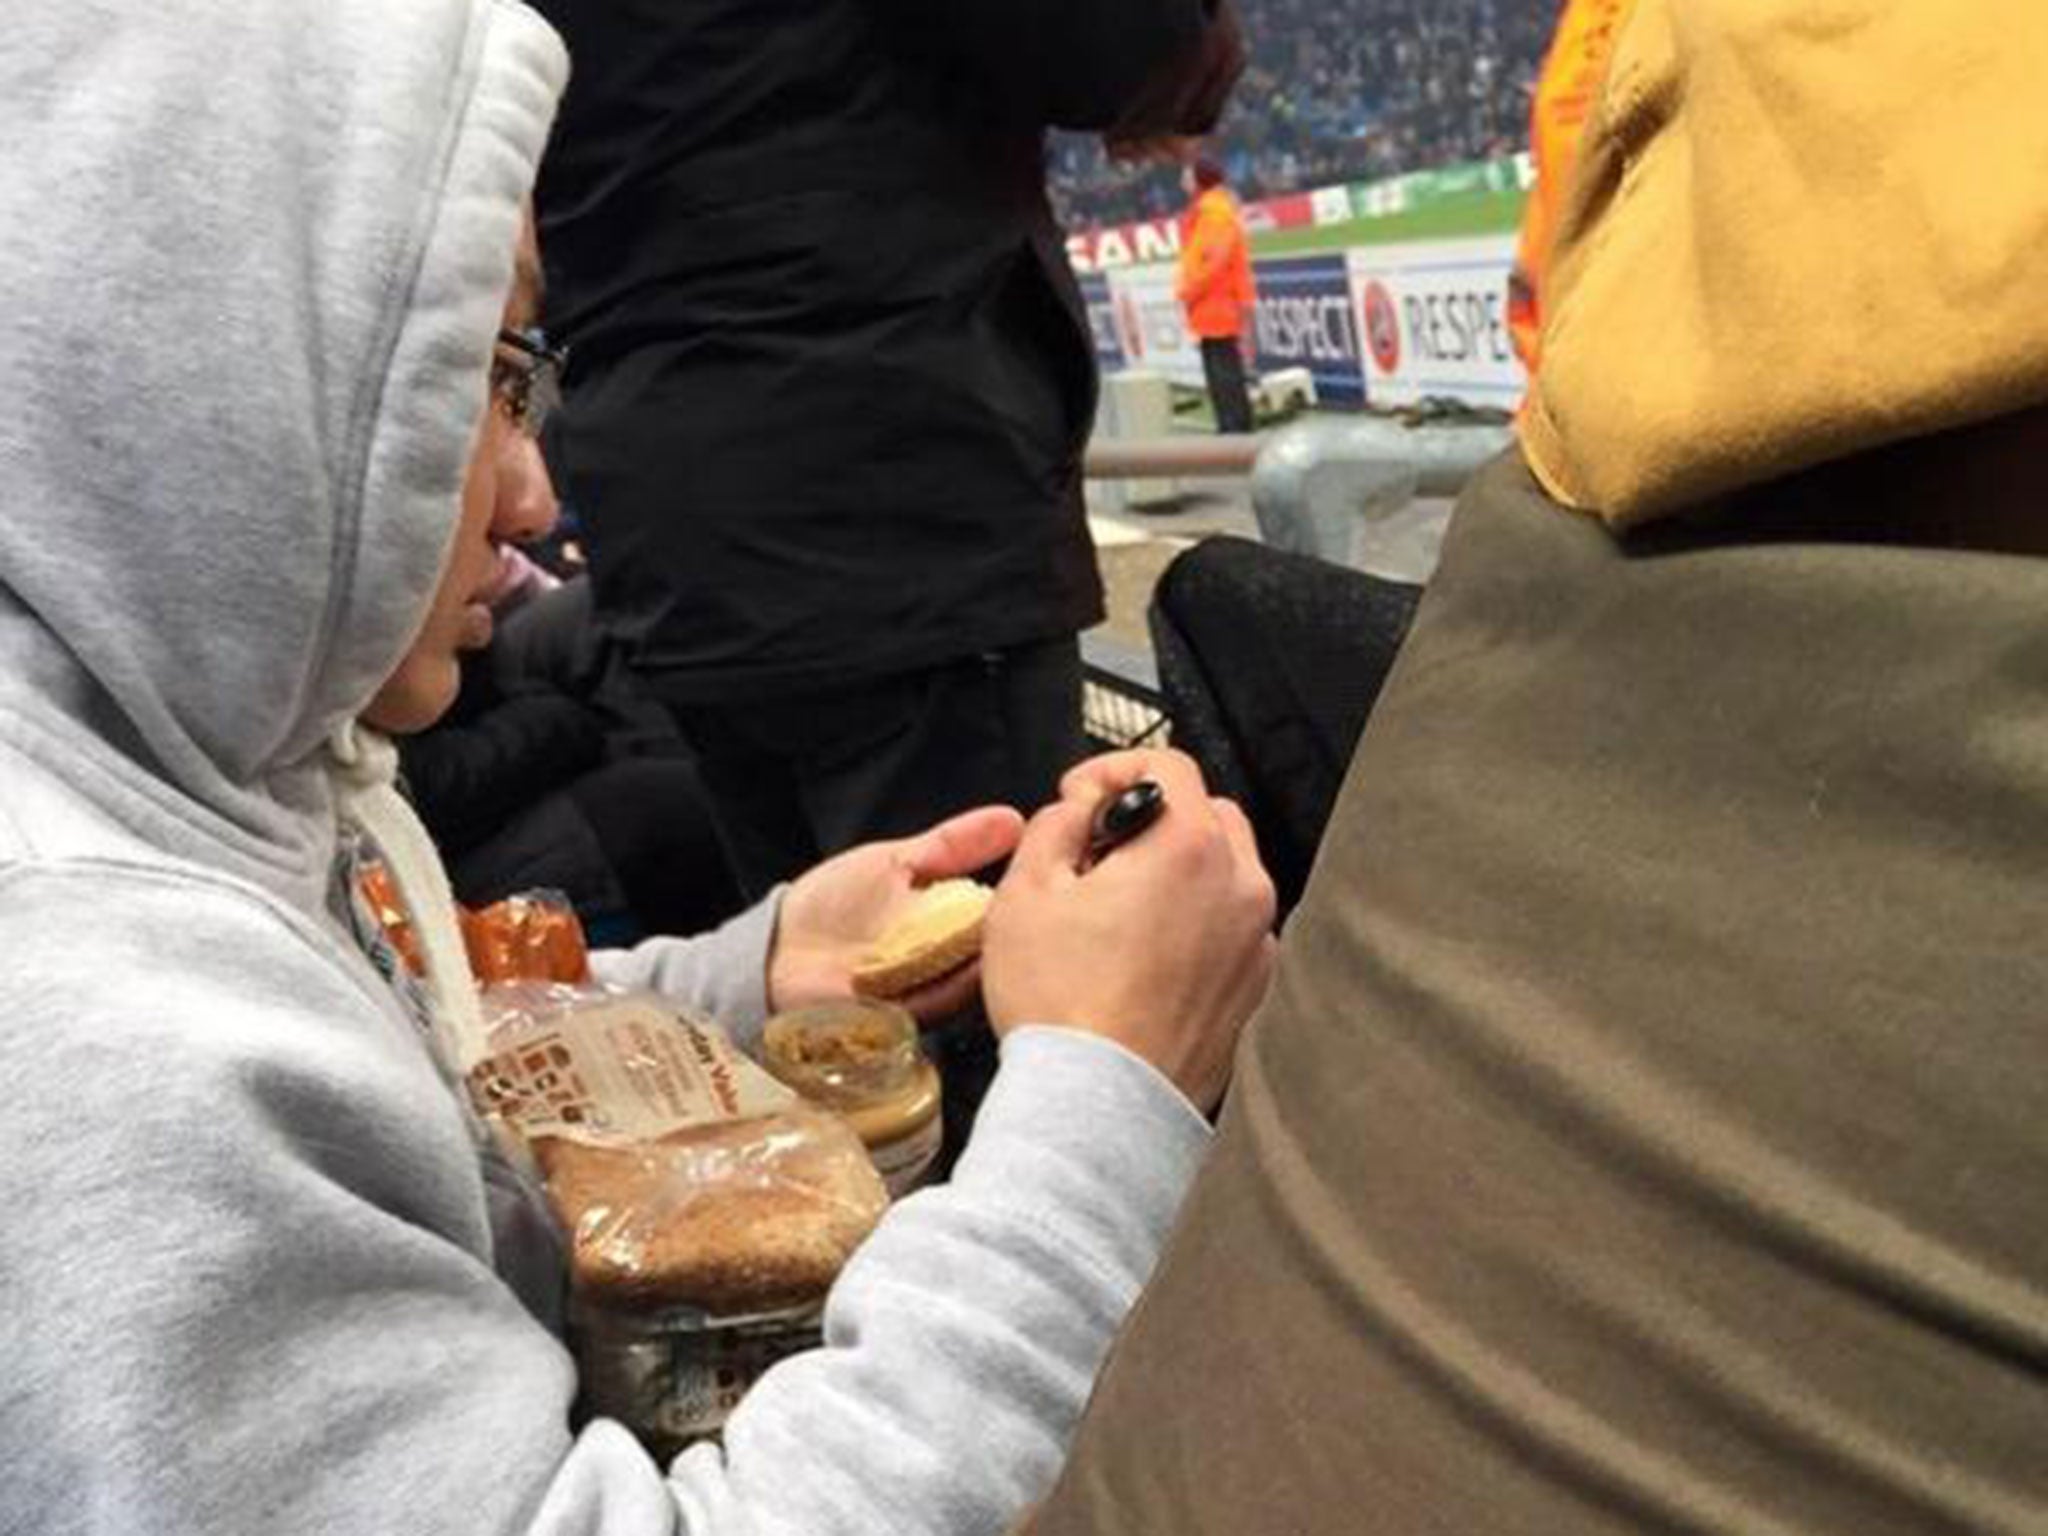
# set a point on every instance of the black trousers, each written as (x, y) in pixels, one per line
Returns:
(1223, 367)
(797, 777)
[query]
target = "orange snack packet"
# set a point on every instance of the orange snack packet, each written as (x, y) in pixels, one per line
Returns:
(380, 895)
(531, 937)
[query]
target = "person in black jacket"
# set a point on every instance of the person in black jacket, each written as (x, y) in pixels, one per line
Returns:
(830, 380)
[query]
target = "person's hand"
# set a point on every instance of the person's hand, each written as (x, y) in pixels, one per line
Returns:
(1164, 947)
(1186, 97)
(833, 913)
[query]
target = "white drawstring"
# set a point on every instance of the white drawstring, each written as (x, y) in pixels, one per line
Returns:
(366, 775)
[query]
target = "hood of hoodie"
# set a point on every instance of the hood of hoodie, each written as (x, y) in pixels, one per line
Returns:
(252, 259)
(1801, 229)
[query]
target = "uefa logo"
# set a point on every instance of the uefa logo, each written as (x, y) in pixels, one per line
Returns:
(1382, 327)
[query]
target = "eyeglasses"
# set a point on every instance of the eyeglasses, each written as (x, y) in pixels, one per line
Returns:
(526, 379)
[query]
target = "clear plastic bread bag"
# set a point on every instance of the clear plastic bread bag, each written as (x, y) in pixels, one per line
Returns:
(708, 1208)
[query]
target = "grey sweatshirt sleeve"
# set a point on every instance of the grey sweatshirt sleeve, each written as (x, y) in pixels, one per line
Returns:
(961, 1343)
(723, 973)
(252, 1281)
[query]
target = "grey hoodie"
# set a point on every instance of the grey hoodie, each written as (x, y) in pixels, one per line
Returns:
(252, 1266)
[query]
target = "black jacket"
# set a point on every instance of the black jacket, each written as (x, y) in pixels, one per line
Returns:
(830, 375)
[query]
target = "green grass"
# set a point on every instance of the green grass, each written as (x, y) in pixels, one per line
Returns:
(1483, 213)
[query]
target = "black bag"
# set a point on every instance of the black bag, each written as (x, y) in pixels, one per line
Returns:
(1270, 663)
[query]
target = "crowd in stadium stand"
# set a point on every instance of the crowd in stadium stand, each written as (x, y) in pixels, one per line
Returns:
(1341, 91)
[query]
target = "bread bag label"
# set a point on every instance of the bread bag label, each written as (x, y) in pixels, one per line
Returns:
(623, 1069)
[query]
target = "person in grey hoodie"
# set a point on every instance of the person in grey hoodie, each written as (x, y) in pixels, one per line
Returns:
(260, 1269)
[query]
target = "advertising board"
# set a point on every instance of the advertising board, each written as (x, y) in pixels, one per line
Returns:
(1102, 329)
(1151, 326)
(1306, 319)
(1434, 321)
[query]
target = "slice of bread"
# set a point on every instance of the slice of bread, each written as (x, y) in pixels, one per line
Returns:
(938, 933)
(736, 1218)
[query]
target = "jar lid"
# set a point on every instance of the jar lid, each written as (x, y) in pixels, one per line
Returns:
(598, 1321)
(845, 1056)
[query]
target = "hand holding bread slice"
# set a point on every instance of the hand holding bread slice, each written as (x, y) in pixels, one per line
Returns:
(859, 912)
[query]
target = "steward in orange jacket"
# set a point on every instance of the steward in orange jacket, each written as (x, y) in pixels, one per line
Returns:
(1217, 290)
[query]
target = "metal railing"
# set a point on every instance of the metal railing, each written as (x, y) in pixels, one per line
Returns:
(1349, 489)
(1176, 458)
(1344, 489)
(1361, 491)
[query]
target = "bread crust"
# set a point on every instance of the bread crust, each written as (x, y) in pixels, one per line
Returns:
(938, 934)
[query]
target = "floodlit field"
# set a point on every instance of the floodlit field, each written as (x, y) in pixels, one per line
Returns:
(1448, 218)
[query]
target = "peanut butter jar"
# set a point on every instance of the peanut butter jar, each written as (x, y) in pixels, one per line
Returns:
(861, 1059)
